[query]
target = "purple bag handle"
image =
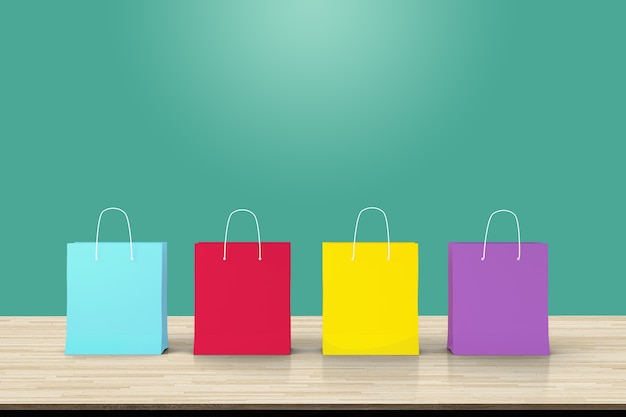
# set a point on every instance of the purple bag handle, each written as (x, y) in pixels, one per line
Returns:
(519, 241)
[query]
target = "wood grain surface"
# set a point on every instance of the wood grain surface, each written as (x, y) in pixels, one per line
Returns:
(586, 370)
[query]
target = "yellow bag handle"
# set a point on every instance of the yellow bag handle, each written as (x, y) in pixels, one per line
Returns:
(357, 226)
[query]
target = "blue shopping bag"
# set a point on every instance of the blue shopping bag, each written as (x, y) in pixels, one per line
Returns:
(116, 296)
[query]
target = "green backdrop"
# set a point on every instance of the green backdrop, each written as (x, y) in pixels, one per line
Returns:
(439, 112)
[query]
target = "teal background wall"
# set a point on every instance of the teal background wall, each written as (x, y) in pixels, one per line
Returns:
(439, 112)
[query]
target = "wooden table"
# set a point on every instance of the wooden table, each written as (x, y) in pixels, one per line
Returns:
(587, 370)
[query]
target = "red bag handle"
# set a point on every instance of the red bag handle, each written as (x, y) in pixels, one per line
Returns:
(257, 229)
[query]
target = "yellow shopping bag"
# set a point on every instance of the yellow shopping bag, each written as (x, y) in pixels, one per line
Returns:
(369, 297)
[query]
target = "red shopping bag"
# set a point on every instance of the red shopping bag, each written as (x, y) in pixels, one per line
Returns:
(242, 297)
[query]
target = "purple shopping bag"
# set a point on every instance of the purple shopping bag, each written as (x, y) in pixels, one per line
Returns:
(498, 297)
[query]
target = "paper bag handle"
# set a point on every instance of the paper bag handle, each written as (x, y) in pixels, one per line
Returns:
(519, 241)
(258, 233)
(130, 235)
(357, 226)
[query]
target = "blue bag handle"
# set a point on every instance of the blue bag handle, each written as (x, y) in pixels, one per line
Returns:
(130, 235)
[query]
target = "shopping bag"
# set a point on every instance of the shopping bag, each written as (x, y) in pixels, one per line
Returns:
(498, 297)
(242, 297)
(369, 296)
(116, 296)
